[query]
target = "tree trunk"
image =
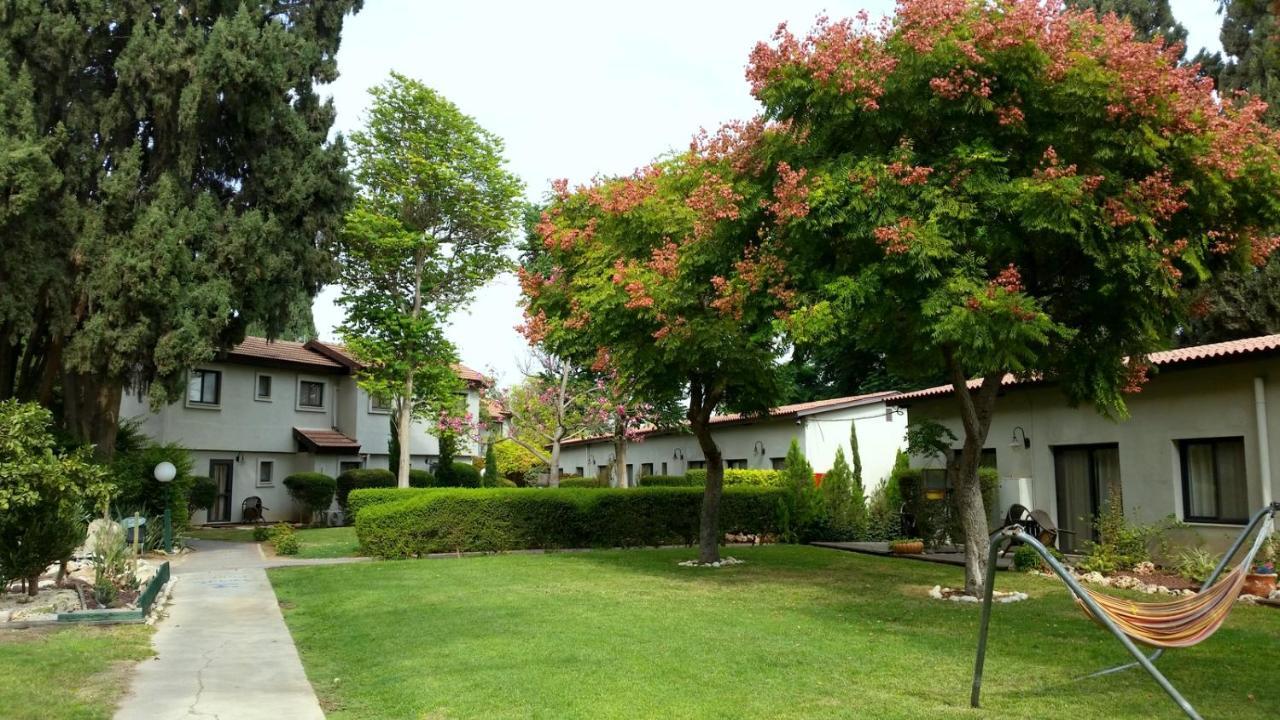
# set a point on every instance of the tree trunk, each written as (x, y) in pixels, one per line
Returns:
(404, 421)
(620, 462)
(976, 407)
(702, 402)
(553, 467)
(33, 585)
(91, 411)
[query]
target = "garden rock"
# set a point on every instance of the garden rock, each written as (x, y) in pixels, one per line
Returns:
(940, 593)
(722, 563)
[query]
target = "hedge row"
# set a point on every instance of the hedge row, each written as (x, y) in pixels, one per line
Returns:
(670, 481)
(737, 476)
(413, 523)
(367, 497)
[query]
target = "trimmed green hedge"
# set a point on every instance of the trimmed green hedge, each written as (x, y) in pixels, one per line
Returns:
(733, 476)
(416, 523)
(362, 478)
(312, 490)
(573, 481)
(361, 499)
(670, 481)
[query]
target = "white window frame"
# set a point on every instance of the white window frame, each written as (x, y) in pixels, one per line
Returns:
(324, 395)
(271, 481)
(196, 405)
(257, 380)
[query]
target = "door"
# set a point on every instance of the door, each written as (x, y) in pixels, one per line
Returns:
(1087, 478)
(220, 472)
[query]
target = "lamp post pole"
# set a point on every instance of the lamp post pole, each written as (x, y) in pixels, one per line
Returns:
(165, 472)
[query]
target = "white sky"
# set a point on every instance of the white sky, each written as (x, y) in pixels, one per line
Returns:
(580, 87)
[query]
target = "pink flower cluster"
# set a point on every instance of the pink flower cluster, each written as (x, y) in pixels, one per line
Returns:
(896, 239)
(907, 174)
(846, 54)
(790, 194)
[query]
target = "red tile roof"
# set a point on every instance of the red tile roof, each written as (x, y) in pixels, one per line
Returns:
(781, 412)
(318, 355)
(325, 441)
(1223, 351)
(281, 351)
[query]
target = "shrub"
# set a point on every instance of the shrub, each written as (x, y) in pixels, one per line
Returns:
(361, 478)
(361, 499)
(491, 520)
(261, 533)
(204, 493)
(284, 539)
(312, 490)
(740, 476)
(460, 474)
(515, 462)
(573, 481)
(1122, 545)
(669, 481)
(133, 473)
(490, 476)
(839, 520)
(1195, 564)
(802, 509)
(418, 479)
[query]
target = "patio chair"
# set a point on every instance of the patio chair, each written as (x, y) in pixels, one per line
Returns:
(1035, 523)
(251, 509)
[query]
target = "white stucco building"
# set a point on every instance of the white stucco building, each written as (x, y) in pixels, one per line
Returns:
(1197, 443)
(747, 441)
(265, 410)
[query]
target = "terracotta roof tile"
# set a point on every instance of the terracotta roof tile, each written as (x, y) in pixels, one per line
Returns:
(256, 348)
(1228, 350)
(341, 354)
(319, 440)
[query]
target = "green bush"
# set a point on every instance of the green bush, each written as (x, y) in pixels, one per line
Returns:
(452, 520)
(938, 521)
(204, 493)
(1025, 558)
(133, 473)
(312, 490)
(418, 479)
(670, 481)
(1196, 564)
(460, 474)
(361, 478)
(739, 476)
(284, 539)
(261, 533)
(1122, 544)
(361, 499)
(573, 481)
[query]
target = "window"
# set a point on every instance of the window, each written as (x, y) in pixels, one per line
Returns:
(1214, 485)
(578, 471)
(697, 464)
(346, 465)
(265, 469)
(735, 464)
(1086, 481)
(664, 468)
(379, 404)
(263, 389)
(646, 469)
(778, 463)
(204, 387)
(310, 394)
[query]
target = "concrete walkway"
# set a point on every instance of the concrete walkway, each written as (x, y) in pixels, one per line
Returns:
(223, 651)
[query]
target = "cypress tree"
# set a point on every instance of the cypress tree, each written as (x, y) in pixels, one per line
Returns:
(180, 185)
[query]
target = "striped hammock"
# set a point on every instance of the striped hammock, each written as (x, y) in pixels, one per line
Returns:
(1183, 622)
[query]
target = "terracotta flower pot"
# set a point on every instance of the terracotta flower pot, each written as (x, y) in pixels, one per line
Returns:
(1259, 584)
(906, 547)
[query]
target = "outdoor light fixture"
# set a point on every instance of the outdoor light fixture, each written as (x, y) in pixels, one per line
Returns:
(165, 472)
(678, 454)
(759, 448)
(1026, 441)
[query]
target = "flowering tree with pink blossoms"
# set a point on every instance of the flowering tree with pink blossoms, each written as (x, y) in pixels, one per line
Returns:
(1006, 187)
(554, 404)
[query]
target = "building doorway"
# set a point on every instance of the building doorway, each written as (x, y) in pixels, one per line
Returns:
(221, 471)
(1087, 478)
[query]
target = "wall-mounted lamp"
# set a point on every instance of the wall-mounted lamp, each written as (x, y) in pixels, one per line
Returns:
(1026, 441)
(759, 448)
(678, 454)
(239, 457)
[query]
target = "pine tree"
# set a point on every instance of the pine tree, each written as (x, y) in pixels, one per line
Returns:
(837, 499)
(1148, 17)
(803, 502)
(858, 491)
(180, 185)
(490, 478)
(1251, 44)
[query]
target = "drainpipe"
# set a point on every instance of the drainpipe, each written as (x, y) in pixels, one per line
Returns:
(1264, 441)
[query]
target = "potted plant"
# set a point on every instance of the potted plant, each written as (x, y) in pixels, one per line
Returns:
(1262, 581)
(907, 546)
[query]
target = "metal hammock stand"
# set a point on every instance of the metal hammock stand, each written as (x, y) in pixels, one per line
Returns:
(1085, 598)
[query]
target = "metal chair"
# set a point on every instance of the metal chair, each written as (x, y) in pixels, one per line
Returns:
(251, 510)
(1035, 523)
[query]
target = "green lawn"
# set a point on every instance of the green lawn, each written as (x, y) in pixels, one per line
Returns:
(312, 542)
(74, 673)
(795, 633)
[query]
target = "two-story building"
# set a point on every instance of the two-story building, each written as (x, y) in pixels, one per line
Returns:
(265, 410)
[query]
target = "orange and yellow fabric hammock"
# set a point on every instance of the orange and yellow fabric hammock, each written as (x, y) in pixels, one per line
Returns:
(1176, 623)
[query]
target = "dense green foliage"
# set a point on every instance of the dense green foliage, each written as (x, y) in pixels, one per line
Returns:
(489, 478)
(515, 462)
(204, 493)
(764, 637)
(435, 209)
(937, 520)
(843, 513)
(45, 494)
(284, 539)
(740, 476)
(169, 179)
(361, 478)
(1122, 544)
(361, 499)
(569, 481)
(686, 480)
(802, 508)
(493, 520)
(313, 491)
(132, 470)
(1150, 18)
(1251, 42)
(454, 474)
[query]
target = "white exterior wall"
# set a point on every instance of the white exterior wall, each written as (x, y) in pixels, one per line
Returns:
(245, 431)
(881, 434)
(1177, 404)
(760, 443)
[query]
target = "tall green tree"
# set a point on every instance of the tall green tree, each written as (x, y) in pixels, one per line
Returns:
(1149, 18)
(1004, 187)
(173, 182)
(661, 278)
(435, 210)
(1251, 52)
